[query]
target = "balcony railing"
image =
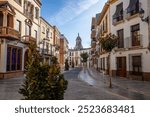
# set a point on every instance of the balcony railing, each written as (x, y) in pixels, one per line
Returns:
(119, 19)
(10, 33)
(46, 52)
(28, 14)
(134, 42)
(28, 39)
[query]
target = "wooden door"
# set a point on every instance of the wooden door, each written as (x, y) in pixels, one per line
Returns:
(121, 67)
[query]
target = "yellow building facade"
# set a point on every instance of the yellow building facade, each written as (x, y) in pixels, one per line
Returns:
(19, 25)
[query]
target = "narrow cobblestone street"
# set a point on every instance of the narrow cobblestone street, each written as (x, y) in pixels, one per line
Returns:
(86, 85)
(79, 89)
(90, 84)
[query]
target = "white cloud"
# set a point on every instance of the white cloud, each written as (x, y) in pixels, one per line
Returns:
(71, 9)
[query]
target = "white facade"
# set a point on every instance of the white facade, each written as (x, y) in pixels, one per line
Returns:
(131, 56)
(45, 43)
(129, 50)
(102, 29)
(75, 58)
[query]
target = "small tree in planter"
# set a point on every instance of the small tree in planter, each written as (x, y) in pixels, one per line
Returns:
(84, 57)
(58, 84)
(66, 65)
(108, 43)
(43, 81)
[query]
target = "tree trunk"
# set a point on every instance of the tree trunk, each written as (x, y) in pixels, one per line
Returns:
(110, 80)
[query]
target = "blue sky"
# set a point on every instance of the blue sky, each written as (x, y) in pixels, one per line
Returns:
(72, 17)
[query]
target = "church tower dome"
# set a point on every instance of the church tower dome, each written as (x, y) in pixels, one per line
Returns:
(78, 43)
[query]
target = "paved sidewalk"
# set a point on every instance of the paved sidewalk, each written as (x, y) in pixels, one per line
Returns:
(81, 86)
(138, 87)
(9, 88)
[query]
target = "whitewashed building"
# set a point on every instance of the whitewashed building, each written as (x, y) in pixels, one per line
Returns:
(74, 54)
(131, 57)
(129, 20)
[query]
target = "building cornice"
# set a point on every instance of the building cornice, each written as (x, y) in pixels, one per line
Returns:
(112, 1)
(41, 18)
(56, 29)
(38, 2)
(105, 8)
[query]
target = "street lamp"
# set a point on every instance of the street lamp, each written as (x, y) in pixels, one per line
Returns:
(141, 12)
(43, 44)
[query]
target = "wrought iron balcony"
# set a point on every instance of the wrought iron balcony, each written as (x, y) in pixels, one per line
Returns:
(118, 19)
(46, 52)
(28, 14)
(28, 39)
(10, 33)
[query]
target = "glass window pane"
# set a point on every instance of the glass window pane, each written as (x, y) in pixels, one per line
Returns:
(13, 65)
(8, 58)
(19, 59)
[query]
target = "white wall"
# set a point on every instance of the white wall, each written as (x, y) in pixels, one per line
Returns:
(127, 33)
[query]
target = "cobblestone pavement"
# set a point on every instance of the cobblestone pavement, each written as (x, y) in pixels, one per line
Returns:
(131, 89)
(89, 84)
(83, 87)
(86, 85)
(9, 89)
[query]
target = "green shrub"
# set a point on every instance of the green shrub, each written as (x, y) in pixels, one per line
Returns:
(42, 81)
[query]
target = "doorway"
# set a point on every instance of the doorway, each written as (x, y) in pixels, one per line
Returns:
(121, 67)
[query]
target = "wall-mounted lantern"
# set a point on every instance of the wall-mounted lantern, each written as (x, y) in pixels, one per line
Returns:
(141, 12)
